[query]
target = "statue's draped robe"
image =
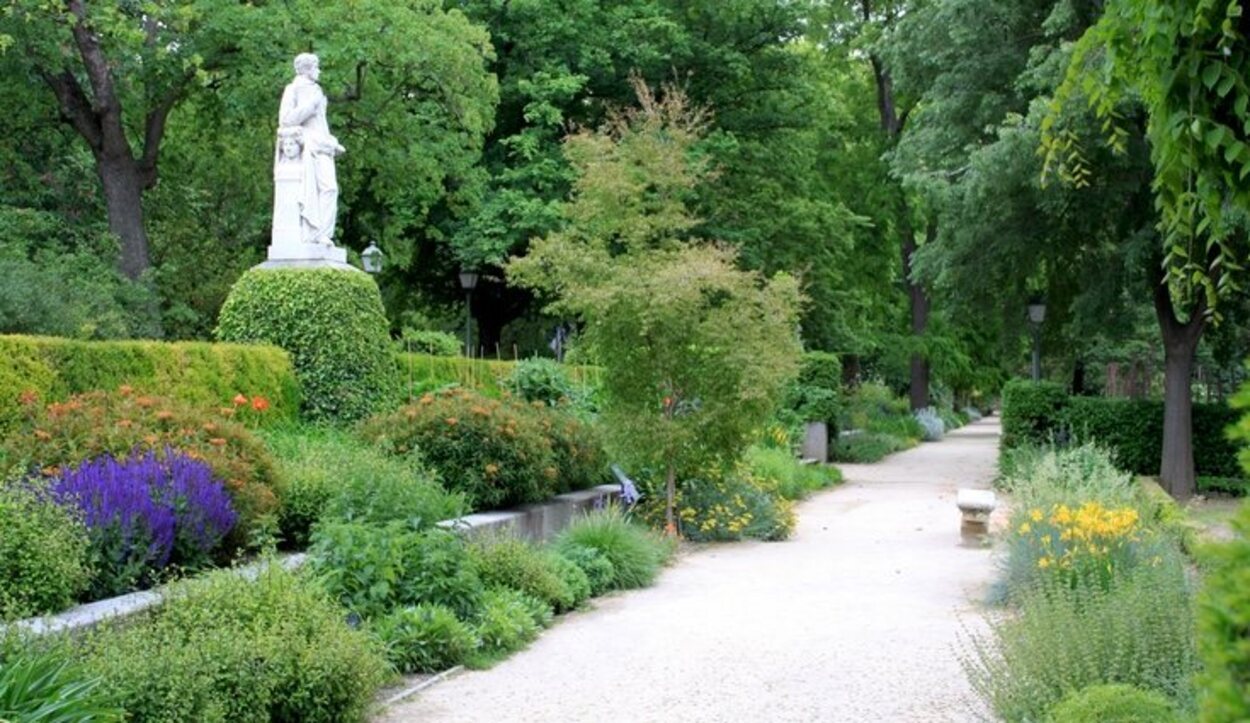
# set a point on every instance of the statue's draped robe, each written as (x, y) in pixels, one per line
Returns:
(304, 106)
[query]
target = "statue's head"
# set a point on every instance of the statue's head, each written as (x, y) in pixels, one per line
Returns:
(290, 143)
(307, 65)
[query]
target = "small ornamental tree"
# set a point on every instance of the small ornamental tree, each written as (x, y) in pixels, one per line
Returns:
(695, 351)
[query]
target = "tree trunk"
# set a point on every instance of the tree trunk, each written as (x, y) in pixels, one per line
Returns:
(918, 302)
(123, 197)
(1078, 377)
(1180, 342)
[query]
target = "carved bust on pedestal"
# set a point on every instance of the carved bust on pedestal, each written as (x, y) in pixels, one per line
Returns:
(305, 205)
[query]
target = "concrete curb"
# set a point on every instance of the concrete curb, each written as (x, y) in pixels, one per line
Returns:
(410, 691)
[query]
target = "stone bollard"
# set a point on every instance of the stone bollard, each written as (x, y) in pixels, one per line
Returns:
(975, 506)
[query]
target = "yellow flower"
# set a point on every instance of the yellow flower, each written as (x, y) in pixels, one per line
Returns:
(1043, 562)
(1024, 529)
(1036, 515)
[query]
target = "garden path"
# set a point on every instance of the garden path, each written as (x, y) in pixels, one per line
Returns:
(856, 618)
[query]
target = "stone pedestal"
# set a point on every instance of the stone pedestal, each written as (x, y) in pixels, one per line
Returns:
(975, 507)
(816, 442)
(297, 251)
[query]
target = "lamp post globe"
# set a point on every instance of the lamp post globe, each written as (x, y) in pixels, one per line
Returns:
(371, 258)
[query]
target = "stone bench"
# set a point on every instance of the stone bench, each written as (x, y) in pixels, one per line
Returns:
(975, 506)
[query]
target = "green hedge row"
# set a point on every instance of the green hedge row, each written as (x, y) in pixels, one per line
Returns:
(1035, 412)
(423, 372)
(195, 372)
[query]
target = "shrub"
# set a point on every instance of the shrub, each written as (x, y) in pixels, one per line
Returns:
(1031, 411)
(42, 685)
(144, 513)
(329, 474)
(1233, 486)
(332, 323)
(513, 563)
(1043, 476)
(498, 452)
(581, 461)
(434, 343)
(57, 436)
(193, 373)
(505, 623)
(635, 552)
(1114, 704)
(425, 638)
(373, 569)
(44, 554)
(542, 380)
(574, 577)
(867, 447)
(932, 424)
(791, 479)
(1139, 632)
(226, 648)
(599, 571)
(1224, 619)
(732, 506)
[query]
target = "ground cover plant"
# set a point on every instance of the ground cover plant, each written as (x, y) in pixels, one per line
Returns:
(226, 647)
(792, 479)
(45, 560)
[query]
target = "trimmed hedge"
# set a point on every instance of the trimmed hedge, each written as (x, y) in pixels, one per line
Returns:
(1133, 428)
(333, 324)
(202, 374)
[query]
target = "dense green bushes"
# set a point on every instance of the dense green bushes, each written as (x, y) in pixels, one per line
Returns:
(634, 553)
(498, 452)
(425, 372)
(1114, 704)
(44, 561)
(228, 648)
(1133, 428)
(332, 323)
(207, 375)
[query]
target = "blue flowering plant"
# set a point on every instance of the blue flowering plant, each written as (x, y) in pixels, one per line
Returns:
(145, 513)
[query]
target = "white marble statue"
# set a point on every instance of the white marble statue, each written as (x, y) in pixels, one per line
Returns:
(306, 190)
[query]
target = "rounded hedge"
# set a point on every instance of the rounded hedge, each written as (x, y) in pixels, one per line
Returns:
(332, 323)
(1114, 704)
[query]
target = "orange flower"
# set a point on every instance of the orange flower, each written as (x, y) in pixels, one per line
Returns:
(28, 397)
(210, 427)
(427, 399)
(260, 404)
(125, 390)
(51, 471)
(239, 400)
(125, 423)
(451, 421)
(480, 410)
(226, 411)
(164, 415)
(145, 402)
(42, 435)
(217, 442)
(151, 439)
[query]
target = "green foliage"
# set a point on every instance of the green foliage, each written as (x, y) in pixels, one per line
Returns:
(207, 375)
(732, 506)
(634, 552)
(41, 253)
(434, 343)
(44, 554)
(1223, 620)
(423, 372)
(817, 394)
(513, 563)
(1031, 411)
(1139, 632)
(868, 447)
(1114, 703)
(332, 323)
(1040, 476)
(228, 648)
(55, 436)
(542, 380)
(497, 452)
(791, 479)
(599, 571)
(505, 623)
(425, 638)
(372, 569)
(574, 577)
(330, 475)
(42, 686)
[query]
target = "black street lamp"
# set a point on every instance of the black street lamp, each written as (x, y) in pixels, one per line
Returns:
(468, 282)
(1037, 314)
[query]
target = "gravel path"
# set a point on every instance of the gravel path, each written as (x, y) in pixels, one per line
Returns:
(856, 618)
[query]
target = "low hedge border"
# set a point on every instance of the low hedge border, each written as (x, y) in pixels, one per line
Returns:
(198, 373)
(1037, 413)
(423, 372)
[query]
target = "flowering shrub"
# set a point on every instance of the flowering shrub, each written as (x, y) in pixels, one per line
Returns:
(498, 452)
(723, 507)
(144, 513)
(1085, 544)
(55, 437)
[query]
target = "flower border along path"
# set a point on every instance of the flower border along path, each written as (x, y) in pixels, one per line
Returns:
(857, 618)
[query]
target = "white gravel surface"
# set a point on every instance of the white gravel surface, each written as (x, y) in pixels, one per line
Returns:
(856, 618)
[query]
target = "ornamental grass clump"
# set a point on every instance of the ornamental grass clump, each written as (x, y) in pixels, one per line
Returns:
(634, 552)
(43, 685)
(1139, 631)
(145, 513)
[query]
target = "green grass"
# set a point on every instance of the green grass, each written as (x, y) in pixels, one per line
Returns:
(636, 553)
(794, 479)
